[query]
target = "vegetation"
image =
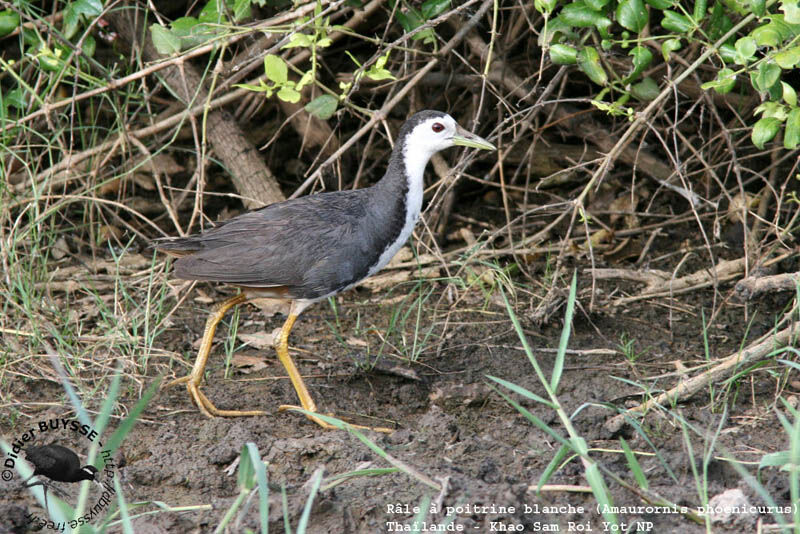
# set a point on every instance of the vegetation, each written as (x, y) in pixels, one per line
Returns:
(647, 167)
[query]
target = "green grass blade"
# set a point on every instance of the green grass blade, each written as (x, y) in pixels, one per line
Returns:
(521, 391)
(552, 466)
(558, 366)
(316, 480)
(404, 467)
(634, 465)
(127, 525)
(263, 486)
(127, 424)
(601, 493)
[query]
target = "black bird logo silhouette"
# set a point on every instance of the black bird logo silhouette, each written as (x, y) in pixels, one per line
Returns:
(59, 464)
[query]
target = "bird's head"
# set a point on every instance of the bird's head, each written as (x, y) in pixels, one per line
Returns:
(432, 131)
(89, 472)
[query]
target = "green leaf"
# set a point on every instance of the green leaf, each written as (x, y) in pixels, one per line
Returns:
(377, 71)
(726, 79)
(260, 88)
(246, 477)
(434, 8)
(276, 70)
(675, 22)
(323, 107)
(72, 20)
(89, 46)
(578, 14)
(788, 59)
(50, 60)
(411, 20)
(90, 8)
(555, 28)
(376, 74)
(720, 22)
(668, 46)
(545, 6)
(632, 15)
(745, 50)
(241, 10)
(642, 57)
(589, 62)
(211, 13)
(561, 54)
(775, 32)
(728, 53)
(597, 5)
(306, 79)
(759, 7)
(771, 109)
(15, 98)
(521, 391)
(660, 4)
(765, 131)
(164, 40)
(746, 46)
(9, 21)
(184, 26)
(299, 39)
(791, 11)
(646, 90)
(288, 94)
(700, 8)
(791, 136)
(789, 95)
(765, 77)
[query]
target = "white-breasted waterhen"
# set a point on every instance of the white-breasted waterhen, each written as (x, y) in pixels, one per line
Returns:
(59, 464)
(310, 248)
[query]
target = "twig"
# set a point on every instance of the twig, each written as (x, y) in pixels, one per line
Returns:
(762, 348)
(382, 113)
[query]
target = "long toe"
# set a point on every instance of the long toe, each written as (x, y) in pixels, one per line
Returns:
(181, 380)
(209, 410)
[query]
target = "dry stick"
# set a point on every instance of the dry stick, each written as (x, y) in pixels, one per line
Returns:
(722, 272)
(750, 287)
(382, 113)
(760, 349)
(157, 178)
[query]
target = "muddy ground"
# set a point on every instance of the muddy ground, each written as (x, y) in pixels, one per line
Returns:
(450, 424)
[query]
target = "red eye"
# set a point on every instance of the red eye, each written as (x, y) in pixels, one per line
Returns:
(437, 127)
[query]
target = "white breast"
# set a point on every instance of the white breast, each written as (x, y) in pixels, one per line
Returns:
(415, 159)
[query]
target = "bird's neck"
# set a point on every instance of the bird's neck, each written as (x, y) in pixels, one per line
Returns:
(404, 177)
(396, 201)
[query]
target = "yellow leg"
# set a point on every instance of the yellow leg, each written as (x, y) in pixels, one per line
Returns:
(306, 401)
(194, 379)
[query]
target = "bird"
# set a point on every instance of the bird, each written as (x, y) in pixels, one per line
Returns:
(58, 463)
(312, 247)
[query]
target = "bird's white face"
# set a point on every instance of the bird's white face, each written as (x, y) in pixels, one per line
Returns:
(433, 135)
(90, 471)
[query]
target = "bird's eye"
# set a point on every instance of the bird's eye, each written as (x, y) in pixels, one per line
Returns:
(437, 127)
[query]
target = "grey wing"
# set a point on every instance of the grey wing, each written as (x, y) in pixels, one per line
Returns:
(297, 244)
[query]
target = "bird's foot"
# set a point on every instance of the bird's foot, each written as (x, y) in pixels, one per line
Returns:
(181, 380)
(329, 426)
(208, 408)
